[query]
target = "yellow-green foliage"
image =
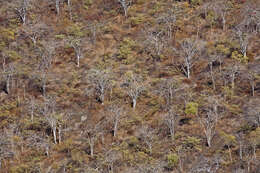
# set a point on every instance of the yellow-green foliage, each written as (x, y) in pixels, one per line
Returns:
(211, 17)
(239, 57)
(223, 49)
(75, 30)
(228, 139)
(78, 156)
(192, 142)
(196, 2)
(255, 136)
(7, 34)
(125, 50)
(87, 4)
(191, 108)
(172, 159)
(136, 20)
(20, 169)
(13, 55)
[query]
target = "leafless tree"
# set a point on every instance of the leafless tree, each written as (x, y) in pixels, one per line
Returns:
(243, 38)
(251, 77)
(100, 80)
(38, 141)
(207, 165)
(251, 17)
(208, 124)
(134, 88)
(232, 73)
(6, 150)
(221, 9)
(156, 167)
(76, 44)
(92, 132)
(32, 107)
(70, 8)
(22, 11)
(57, 6)
(147, 135)
(168, 19)
(189, 51)
(171, 120)
(35, 31)
(46, 54)
(8, 75)
(125, 5)
(211, 60)
(49, 112)
(167, 89)
(116, 114)
(155, 42)
(111, 157)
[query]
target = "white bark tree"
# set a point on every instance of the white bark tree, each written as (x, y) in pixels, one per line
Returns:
(76, 44)
(205, 165)
(100, 80)
(32, 108)
(243, 38)
(221, 9)
(116, 112)
(189, 52)
(134, 87)
(92, 132)
(251, 17)
(208, 124)
(8, 75)
(35, 31)
(147, 135)
(232, 73)
(169, 20)
(171, 120)
(22, 10)
(49, 112)
(125, 5)
(167, 89)
(155, 42)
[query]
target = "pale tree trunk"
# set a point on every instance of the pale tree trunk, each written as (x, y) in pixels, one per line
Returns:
(32, 113)
(115, 128)
(172, 131)
(59, 132)
(57, 6)
(47, 150)
(69, 5)
(78, 57)
(253, 88)
(8, 84)
(223, 21)
(91, 145)
(230, 154)
(240, 150)
(54, 134)
(212, 76)
(134, 103)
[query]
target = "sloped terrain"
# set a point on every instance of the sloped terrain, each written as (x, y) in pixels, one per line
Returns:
(140, 86)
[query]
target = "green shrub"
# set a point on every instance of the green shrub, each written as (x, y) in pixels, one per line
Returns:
(125, 51)
(136, 20)
(239, 57)
(191, 108)
(172, 159)
(196, 2)
(191, 142)
(87, 4)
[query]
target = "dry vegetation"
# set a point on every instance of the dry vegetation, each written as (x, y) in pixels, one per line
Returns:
(138, 86)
